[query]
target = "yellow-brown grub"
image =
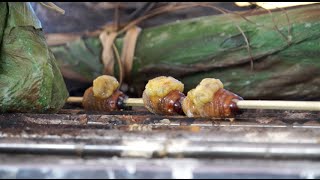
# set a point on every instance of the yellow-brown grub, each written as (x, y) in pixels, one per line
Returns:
(156, 91)
(162, 85)
(209, 99)
(222, 105)
(204, 92)
(104, 96)
(188, 107)
(92, 103)
(104, 86)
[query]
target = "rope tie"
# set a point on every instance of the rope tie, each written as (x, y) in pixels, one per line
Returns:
(107, 38)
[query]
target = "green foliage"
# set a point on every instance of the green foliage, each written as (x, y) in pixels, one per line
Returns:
(30, 80)
(285, 53)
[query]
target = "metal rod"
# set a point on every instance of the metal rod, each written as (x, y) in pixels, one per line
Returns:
(242, 104)
(152, 148)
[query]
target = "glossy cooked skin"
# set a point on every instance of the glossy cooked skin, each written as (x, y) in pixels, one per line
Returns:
(222, 105)
(209, 99)
(171, 104)
(92, 103)
(104, 96)
(163, 95)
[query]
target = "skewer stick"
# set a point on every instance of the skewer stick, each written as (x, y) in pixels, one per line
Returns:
(74, 99)
(242, 104)
(134, 102)
(280, 105)
(127, 102)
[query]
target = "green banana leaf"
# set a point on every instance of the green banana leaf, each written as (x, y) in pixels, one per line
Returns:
(30, 80)
(3, 15)
(284, 48)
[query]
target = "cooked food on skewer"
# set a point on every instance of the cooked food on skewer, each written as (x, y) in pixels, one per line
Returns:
(104, 95)
(163, 95)
(210, 99)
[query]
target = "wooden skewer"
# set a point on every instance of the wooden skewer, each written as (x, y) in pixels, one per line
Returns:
(127, 102)
(242, 104)
(134, 102)
(281, 105)
(74, 99)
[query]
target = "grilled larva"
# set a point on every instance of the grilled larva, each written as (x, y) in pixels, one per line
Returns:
(163, 95)
(104, 95)
(210, 99)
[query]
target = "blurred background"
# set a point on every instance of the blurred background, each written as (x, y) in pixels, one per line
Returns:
(83, 17)
(89, 16)
(277, 72)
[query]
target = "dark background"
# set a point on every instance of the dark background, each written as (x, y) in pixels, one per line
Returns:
(89, 16)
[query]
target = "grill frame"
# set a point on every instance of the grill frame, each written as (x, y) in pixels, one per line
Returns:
(256, 136)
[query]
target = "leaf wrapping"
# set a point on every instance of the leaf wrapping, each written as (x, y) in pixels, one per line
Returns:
(30, 80)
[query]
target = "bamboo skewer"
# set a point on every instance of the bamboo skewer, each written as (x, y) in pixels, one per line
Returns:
(279, 105)
(127, 102)
(74, 99)
(134, 102)
(242, 104)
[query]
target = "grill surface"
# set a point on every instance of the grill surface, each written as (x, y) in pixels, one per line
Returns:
(259, 143)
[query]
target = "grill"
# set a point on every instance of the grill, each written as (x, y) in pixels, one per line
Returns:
(137, 144)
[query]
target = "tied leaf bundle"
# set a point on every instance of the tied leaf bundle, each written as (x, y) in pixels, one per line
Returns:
(30, 80)
(283, 49)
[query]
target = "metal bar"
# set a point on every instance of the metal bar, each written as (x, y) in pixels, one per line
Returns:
(172, 149)
(32, 166)
(157, 136)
